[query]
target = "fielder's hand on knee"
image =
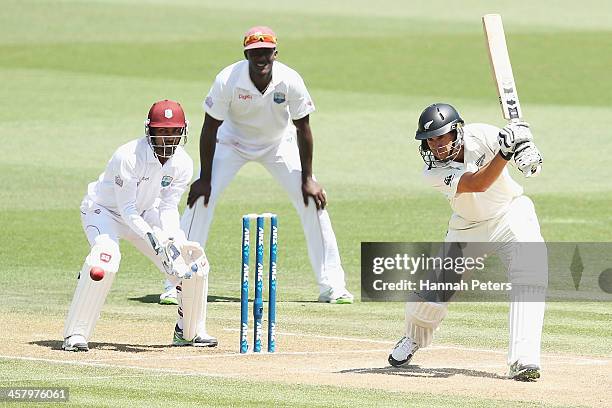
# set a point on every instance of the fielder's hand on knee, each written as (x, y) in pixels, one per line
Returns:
(511, 135)
(310, 188)
(199, 188)
(528, 158)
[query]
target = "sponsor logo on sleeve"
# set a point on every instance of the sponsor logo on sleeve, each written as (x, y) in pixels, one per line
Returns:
(448, 179)
(279, 97)
(166, 180)
(480, 160)
(104, 257)
(119, 181)
(209, 102)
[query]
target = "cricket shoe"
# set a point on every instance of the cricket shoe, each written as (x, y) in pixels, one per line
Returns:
(76, 342)
(169, 297)
(198, 341)
(402, 352)
(525, 373)
(343, 297)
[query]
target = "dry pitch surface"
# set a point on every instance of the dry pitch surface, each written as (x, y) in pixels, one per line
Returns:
(321, 360)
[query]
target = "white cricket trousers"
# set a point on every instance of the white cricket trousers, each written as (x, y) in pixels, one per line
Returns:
(522, 250)
(283, 162)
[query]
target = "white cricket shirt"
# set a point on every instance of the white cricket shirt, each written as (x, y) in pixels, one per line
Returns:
(253, 119)
(480, 147)
(134, 179)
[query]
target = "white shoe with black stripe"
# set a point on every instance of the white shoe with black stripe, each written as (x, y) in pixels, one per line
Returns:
(403, 352)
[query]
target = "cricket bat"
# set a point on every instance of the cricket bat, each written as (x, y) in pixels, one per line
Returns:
(502, 73)
(501, 67)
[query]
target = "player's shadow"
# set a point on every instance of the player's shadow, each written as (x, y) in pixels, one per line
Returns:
(213, 298)
(417, 371)
(126, 348)
(154, 298)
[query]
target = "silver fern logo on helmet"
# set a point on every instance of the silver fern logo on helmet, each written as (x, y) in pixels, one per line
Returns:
(435, 121)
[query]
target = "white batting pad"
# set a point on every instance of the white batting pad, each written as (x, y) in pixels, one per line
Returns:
(192, 298)
(90, 295)
(422, 318)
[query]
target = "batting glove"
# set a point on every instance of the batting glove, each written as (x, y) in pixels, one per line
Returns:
(511, 135)
(528, 158)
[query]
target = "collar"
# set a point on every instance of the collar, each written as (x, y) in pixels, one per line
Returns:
(149, 151)
(245, 82)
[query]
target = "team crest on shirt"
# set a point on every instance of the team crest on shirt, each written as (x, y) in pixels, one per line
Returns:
(166, 180)
(119, 181)
(279, 97)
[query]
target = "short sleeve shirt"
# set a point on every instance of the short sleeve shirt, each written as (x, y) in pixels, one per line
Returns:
(251, 118)
(480, 147)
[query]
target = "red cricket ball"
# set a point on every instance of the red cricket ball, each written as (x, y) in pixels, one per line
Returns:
(96, 273)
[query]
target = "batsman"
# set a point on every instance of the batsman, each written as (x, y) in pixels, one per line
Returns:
(136, 198)
(468, 165)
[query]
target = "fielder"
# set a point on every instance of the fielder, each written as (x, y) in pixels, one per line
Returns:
(468, 165)
(136, 198)
(255, 111)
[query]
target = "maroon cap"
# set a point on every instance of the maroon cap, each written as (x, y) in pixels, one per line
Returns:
(166, 113)
(259, 37)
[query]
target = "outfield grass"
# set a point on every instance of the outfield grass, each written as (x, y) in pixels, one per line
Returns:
(79, 77)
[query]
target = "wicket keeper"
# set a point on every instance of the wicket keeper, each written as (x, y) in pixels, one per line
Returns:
(136, 198)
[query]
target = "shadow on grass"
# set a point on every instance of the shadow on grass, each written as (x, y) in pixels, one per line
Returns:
(126, 348)
(154, 298)
(417, 371)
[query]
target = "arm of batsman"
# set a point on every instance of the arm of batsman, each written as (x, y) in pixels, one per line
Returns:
(511, 135)
(528, 159)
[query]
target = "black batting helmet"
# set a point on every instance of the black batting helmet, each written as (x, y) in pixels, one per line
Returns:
(436, 120)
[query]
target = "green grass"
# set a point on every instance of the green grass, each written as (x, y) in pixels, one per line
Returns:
(78, 78)
(136, 389)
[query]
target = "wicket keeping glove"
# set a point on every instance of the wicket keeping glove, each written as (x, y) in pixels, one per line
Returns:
(511, 135)
(164, 248)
